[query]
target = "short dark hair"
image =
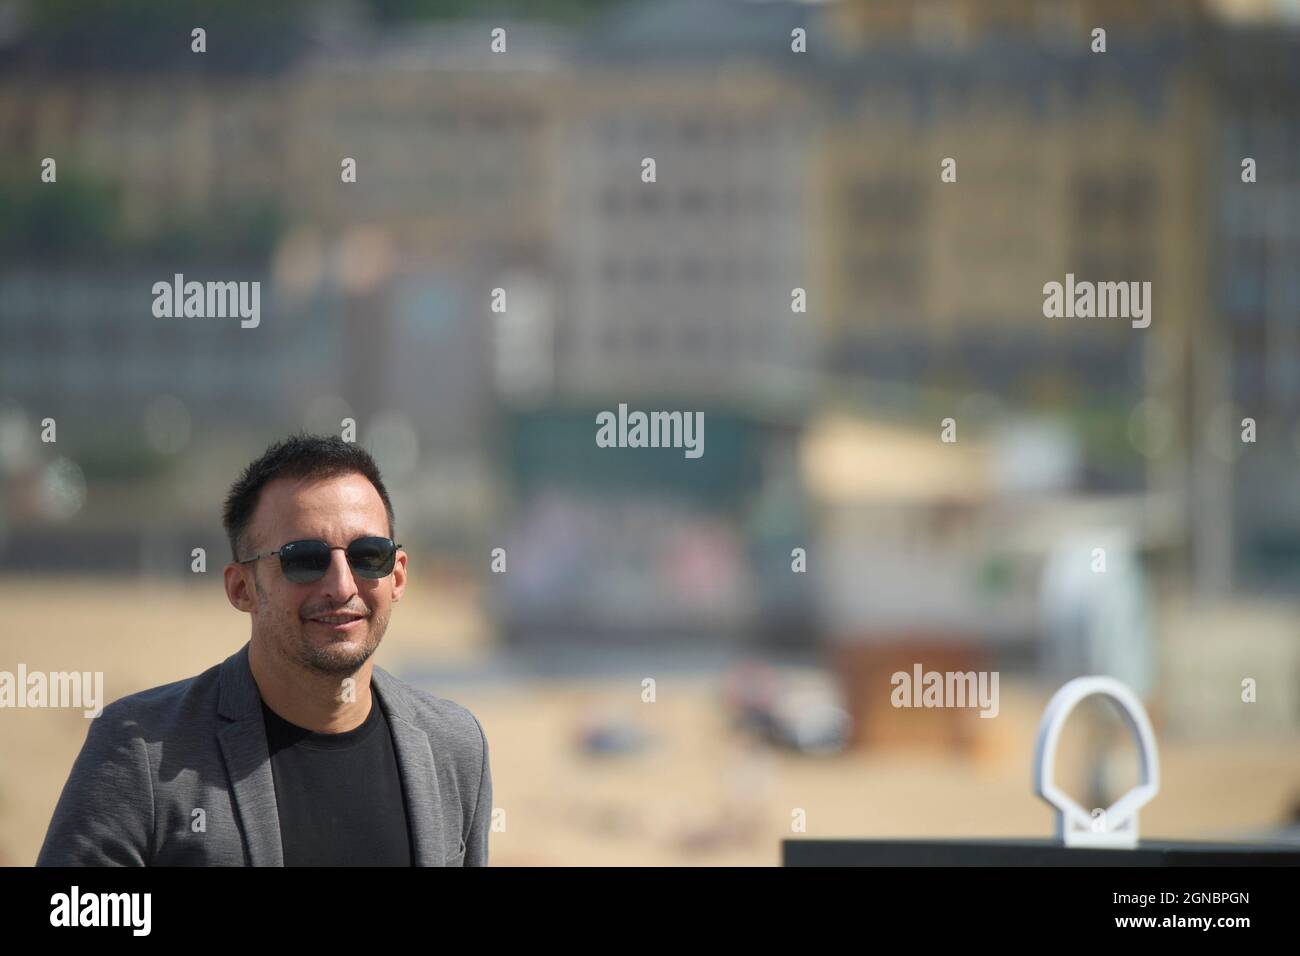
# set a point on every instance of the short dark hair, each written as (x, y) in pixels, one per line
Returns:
(298, 456)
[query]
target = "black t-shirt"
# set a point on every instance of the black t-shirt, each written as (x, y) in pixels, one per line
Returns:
(339, 796)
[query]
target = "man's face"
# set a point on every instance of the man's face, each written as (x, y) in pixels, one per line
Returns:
(287, 615)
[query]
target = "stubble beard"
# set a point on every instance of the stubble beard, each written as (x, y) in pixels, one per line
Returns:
(333, 659)
(339, 657)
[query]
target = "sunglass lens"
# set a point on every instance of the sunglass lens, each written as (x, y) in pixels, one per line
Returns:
(304, 561)
(372, 557)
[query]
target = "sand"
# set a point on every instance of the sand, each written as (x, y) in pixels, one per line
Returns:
(699, 794)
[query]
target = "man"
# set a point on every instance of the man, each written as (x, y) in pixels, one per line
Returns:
(297, 749)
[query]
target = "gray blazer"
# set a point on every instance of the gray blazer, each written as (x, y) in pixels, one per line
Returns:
(152, 759)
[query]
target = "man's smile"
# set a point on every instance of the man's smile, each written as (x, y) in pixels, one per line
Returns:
(344, 622)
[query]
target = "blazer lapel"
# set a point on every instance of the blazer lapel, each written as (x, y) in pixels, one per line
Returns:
(248, 762)
(416, 767)
(243, 745)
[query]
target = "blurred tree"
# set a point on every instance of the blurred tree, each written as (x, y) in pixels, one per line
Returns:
(83, 220)
(82, 215)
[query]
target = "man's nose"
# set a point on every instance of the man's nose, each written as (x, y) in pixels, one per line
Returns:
(338, 581)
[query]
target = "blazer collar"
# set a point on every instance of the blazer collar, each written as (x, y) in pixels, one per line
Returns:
(248, 763)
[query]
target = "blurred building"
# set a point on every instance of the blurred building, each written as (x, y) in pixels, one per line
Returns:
(676, 295)
(776, 170)
(684, 285)
(1252, 362)
(454, 145)
(1066, 161)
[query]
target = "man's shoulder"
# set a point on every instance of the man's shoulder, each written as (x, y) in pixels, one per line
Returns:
(163, 706)
(446, 722)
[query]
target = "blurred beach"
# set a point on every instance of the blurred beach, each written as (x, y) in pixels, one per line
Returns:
(697, 792)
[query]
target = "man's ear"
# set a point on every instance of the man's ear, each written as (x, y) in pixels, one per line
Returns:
(240, 586)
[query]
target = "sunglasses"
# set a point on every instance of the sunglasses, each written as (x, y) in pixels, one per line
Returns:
(305, 561)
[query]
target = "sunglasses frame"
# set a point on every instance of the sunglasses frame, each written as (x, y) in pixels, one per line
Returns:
(332, 547)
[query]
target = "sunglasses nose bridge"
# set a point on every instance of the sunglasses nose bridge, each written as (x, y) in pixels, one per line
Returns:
(338, 579)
